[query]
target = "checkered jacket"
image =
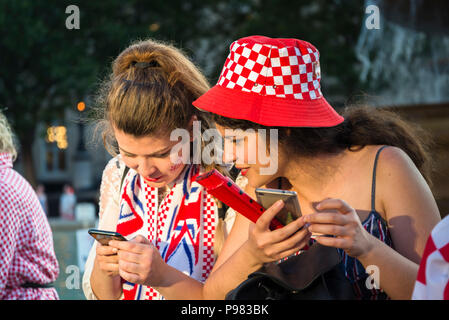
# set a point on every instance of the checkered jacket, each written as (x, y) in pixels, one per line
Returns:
(432, 282)
(26, 245)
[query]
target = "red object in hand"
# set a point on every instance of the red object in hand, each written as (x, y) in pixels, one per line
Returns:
(225, 190)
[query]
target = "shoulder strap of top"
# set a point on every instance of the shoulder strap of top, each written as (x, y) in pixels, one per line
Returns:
(125, 172)
(373, 186)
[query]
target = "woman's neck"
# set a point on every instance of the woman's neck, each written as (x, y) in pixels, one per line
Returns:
(312, 177)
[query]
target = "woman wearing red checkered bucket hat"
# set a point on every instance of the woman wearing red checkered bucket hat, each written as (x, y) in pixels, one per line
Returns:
(371, 158)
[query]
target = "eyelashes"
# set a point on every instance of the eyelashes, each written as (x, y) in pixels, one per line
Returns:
(163, 155)
(128, 155)
(236, 141)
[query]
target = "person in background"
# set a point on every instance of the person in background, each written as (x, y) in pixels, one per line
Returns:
(28, 263)
(67, 203)
(40, 191)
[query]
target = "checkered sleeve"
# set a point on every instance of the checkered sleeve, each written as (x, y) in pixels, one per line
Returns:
(9, 229)
(432, 282)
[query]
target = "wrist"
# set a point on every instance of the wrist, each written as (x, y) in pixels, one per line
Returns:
(249, 255)
(369, 248)
(164, 276)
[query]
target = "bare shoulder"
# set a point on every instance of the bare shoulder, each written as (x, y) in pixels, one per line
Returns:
(395, 166)
(392, 162)
(394, 155)
(407, 202)
(387, 154)
(401, 187)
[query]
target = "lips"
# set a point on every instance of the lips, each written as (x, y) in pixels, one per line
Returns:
(153, 179)
(244, 171)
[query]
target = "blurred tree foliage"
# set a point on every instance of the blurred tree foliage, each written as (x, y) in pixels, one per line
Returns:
(46, 68)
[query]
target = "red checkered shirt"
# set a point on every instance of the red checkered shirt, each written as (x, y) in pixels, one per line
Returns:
(26, 243)
(432, 282)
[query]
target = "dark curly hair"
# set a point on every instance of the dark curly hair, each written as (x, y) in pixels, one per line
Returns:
(362, 126)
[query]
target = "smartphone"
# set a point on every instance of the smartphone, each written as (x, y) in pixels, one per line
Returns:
(291, 210)
(104, 236)
(225, 190)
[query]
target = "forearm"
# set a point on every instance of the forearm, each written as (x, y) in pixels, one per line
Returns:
(176, 285)
(105, 287)
(397, 274)
(230, 274)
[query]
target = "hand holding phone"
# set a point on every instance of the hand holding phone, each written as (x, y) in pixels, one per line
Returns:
(104, 236)
(106, 256)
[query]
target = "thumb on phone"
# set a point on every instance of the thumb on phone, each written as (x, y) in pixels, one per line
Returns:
(265, 219)
(140, 239)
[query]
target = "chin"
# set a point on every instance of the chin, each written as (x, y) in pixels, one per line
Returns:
(258, 181)
(156, 184)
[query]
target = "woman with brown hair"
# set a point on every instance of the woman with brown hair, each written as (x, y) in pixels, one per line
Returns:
(377, 163)
(170, 221)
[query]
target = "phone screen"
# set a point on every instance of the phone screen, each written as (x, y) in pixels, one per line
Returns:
(291, 210)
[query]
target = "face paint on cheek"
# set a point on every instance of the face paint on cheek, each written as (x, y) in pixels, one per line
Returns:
(175, 167)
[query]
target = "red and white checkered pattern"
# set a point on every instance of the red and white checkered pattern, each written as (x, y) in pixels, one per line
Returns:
(26, 246)
(157, 219)
(152, 222)
(156, 224)
(162, 216)
(272, 82)
(151, 200)
(272, 71)
(151, 294)
(432, 282)
(209, 224)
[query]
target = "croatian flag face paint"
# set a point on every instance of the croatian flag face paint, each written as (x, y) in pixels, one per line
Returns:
(175, 166)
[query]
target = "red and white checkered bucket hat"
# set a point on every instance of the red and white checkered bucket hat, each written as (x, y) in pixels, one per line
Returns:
(273, 82)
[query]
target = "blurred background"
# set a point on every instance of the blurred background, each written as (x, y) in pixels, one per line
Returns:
(388, 53)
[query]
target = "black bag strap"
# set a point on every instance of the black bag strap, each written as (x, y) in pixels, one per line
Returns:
(125, 172)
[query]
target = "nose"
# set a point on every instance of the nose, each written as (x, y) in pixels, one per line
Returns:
(229, 154)
(145, 167)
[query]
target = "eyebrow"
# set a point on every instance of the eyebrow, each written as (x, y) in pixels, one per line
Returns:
(162, 151)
